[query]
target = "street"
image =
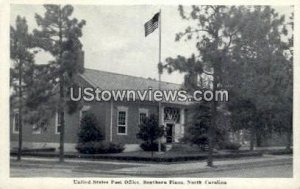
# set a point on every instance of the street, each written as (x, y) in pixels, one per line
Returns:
(61, 173)
(280, 168)
(278, 171)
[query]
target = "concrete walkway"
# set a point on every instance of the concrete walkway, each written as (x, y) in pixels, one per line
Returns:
(152, 169)
(197, 167)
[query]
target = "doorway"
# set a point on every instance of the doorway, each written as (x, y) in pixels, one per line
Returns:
(169, 132)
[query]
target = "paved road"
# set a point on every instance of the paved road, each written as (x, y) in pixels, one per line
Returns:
(61, 173)
(277, 171)
(35, 169)
(282, 171)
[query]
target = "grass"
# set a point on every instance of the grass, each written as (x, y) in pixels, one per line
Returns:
(179, 152)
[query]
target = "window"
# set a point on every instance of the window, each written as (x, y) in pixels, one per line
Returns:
(122, 121)
(143, 113)
(84, 110)
(57, 123)
(16, 125)
(36, 129)
(171, 114)
(82, 114)
(142, 117)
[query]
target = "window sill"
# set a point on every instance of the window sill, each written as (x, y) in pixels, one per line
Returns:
(122, 134)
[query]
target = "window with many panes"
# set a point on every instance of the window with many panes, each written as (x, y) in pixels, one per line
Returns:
(143, 113)
(83, 112)
(172, 114)
(16, 124)
(122, 121)
(37, 128)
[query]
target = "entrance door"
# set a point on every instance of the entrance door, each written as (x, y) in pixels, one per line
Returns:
(169, 132)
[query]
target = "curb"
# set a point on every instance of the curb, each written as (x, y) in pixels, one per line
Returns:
(146, 159)
(200, 170)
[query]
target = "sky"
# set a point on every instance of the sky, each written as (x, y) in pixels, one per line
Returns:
(114, 40)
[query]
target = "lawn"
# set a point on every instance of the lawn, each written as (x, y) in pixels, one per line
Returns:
(179, 152)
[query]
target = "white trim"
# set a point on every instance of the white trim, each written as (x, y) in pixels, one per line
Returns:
(84, 108)
(14, 123)
(143, 110)
(182, 121)
(111, 121)
(162, 115)
(122, 109)
(80, 116)
(56, 124)
(182, 118)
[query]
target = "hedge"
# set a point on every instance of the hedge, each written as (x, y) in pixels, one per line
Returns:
(99, 148)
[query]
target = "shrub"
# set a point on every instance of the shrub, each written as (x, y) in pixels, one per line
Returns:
(200, 141)
(231, 146)
(99, 148)
(115, 148)
(149, 132)
(90, 138)
(86, 148)
(89, 131)
(152, 147)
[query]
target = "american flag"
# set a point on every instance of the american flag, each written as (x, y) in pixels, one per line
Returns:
(152, 24)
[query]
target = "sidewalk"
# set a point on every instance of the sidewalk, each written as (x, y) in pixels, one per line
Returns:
(152, 169)
(199, 167)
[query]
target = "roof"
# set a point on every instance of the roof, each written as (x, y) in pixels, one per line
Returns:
(114, 81)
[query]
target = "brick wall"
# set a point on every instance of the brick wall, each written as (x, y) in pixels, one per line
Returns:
(133, 120)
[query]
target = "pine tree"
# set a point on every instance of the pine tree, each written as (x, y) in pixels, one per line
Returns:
(260, 71)
(213, 33)
(59, 33)
(20, 73)
(240, 49)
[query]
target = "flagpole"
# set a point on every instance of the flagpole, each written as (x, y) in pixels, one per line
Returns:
(159, 51)
(159, 79)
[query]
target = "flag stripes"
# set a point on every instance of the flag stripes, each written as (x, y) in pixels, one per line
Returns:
(152, 24)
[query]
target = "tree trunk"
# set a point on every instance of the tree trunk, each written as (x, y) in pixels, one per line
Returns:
(258, 139)
(151, 144)
(252, 137)
(61, 96)
(289, 139)
(20, 114)
(238, 136)
(211, 129)
(210, 145)
(62, 122)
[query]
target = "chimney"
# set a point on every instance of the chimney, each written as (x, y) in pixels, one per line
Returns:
(80, 61)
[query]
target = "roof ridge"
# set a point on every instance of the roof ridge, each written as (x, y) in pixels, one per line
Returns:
(130, 76)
